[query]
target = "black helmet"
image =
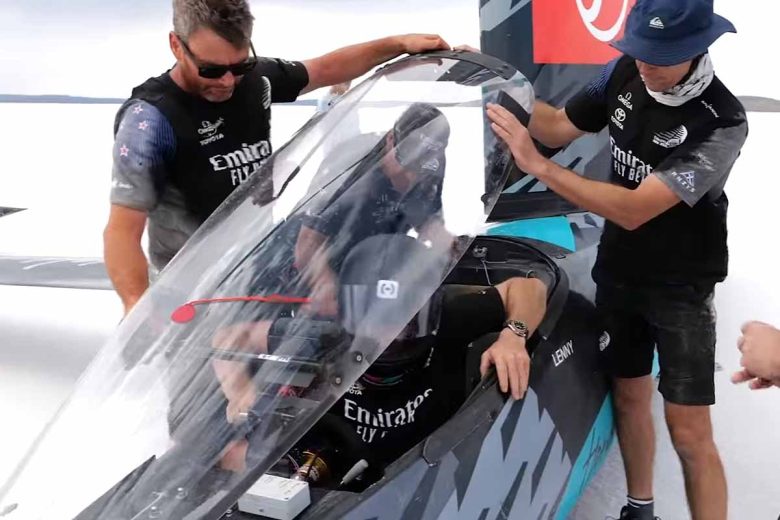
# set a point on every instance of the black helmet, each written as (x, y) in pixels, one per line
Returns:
(421, 136)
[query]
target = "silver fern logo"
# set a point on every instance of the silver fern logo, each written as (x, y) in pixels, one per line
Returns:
(604, 341)
(266, 93)
(671, 138)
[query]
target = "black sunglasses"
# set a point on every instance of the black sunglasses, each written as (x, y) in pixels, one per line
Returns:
(217, 71)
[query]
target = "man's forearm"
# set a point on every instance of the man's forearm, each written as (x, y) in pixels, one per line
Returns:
(525, 299)
(127, 267)
(607, 200)
(348, 63)
(351, 62)
(551, 126)
(542, 125)
(311, 256)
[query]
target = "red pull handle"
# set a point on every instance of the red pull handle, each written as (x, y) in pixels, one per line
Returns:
(186, 313)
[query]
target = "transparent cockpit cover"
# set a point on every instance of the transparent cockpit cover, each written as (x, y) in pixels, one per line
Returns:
(278, 304)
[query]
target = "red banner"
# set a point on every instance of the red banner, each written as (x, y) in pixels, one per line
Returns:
(578, 31)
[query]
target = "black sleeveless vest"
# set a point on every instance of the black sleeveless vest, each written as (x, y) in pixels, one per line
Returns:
(218, 145)
(684, 244)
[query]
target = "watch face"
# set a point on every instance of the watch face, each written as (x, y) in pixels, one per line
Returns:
(518, 327)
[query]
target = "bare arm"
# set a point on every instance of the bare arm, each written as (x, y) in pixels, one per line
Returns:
(525, 299)
(125, 261)
(627, 208)
(551, 126)
(311, 256)
(351, 62)
(233, 376)
(311, 259)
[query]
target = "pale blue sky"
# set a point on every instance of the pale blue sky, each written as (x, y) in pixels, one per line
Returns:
(104, 47)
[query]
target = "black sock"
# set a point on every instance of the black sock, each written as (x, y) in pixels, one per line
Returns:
(640, 508)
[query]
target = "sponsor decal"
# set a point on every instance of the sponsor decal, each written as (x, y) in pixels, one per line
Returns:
(657, 23)
(710, 108)
(379, 421)
(563, 353)
(626, 100)
(579, 31)
(628, 165)
(618, 117)
(604, 341)
(210, 131)
(271, 357)
(431, 164)
(685, 179)
(671, 138)
(356, 389)
(242, 163)
(117, 184)
(387, 290)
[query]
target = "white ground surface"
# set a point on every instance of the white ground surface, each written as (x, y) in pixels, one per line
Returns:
(56, 161)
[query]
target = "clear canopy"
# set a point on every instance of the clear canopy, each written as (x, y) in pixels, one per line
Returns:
(283, 298)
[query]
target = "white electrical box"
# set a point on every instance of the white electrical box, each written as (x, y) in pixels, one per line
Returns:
(276, 497)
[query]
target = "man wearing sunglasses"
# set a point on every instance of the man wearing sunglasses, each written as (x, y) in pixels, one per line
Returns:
(186, 139)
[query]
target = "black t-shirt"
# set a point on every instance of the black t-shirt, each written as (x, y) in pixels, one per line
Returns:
(372, 206)
(691, 148)
(392, 419)
(218, 146)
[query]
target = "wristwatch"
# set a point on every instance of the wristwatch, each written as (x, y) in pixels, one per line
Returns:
(518, 327)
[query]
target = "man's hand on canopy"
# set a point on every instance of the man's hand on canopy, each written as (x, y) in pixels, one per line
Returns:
(417, 43)
(507, 127)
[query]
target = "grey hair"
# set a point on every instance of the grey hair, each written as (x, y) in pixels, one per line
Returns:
(230, 19)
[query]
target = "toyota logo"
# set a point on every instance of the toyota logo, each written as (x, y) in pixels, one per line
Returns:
(620, 115)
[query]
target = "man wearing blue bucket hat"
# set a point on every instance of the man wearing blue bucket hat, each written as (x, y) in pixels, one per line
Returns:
(675, 132)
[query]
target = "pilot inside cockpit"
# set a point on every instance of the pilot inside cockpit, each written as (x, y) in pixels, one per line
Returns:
(348, 257)
(417, 383)
(395, 189)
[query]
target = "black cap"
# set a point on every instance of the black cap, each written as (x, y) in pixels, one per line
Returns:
(421, 136)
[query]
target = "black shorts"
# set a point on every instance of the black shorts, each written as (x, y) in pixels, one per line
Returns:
(678, 320)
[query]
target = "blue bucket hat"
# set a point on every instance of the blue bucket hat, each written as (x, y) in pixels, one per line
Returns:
(669, 32)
